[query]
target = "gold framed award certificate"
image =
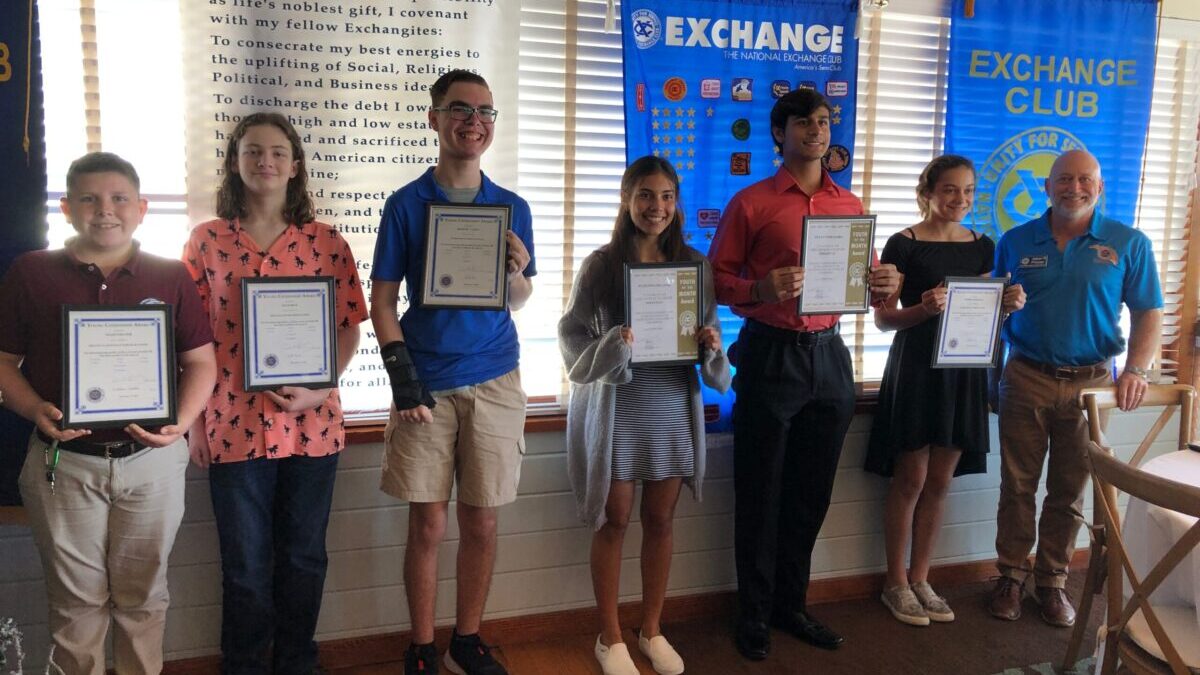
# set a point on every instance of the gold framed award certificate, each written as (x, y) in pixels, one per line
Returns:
(289, 333)
(466, 256)
(969, 328)
(118, 366)
(835, 253)
(664, 305)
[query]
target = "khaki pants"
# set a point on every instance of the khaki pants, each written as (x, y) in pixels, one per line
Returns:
(1036, 407)
(104, 538)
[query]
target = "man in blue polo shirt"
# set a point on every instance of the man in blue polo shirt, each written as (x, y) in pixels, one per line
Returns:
(459, 409)
(1077, 267)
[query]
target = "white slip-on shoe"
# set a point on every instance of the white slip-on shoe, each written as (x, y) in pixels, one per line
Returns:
(615, 660)
(935, 605)
(905, 606)
(662, 655)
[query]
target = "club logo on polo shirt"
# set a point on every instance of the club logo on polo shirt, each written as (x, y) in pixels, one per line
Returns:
(1105, 254)
(1010, 187)
(151, 301)
(1033, 262)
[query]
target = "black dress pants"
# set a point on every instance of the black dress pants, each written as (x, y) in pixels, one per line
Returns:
(795, 400)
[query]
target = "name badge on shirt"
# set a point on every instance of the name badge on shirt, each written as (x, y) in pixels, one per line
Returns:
(1033, 262)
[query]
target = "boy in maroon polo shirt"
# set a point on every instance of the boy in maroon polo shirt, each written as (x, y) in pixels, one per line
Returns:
(794, 382)
(106, 527)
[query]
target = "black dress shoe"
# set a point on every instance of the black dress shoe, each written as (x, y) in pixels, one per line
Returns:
(753, 640)
(806, 628)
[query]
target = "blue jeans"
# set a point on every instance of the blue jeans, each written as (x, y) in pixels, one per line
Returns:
(271, 520)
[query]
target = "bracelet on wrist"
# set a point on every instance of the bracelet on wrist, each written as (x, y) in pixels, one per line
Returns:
(1140, 372)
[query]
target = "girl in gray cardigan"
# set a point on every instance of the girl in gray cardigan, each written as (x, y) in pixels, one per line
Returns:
(634, 422)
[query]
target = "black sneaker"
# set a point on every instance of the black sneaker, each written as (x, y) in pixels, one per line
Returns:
(469, 656)
(421, 659)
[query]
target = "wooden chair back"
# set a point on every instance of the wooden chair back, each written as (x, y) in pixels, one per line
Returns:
(1175, 397)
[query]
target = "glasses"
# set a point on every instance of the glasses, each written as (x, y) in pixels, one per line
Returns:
(462, 113)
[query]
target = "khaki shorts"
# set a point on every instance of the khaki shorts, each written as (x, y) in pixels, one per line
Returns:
(477, 436)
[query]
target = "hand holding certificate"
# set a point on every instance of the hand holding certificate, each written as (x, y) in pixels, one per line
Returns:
(289, 332)
(664, 306)
(836, 256)
(969, 328)
(466, 253)
(118, 366)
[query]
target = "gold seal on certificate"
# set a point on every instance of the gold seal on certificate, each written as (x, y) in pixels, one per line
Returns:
(664, 306)
(969, 328)
(118, 366)
(836, 256)
(466, 256)
(289, 333)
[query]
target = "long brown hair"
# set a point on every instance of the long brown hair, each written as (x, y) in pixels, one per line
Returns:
(231, 197)
(621, 247)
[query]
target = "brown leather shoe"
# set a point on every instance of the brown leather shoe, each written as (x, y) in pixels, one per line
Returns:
(1056, 606)
(1006, 599)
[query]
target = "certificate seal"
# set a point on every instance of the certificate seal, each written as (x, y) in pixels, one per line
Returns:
(95, 394)
(953, 342)
(687, 322)
(271, 361)
(446, 281)
(857, 273)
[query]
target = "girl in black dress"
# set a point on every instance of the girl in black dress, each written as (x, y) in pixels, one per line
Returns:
(931, 424)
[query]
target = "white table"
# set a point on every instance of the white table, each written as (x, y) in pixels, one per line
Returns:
(1150, 531)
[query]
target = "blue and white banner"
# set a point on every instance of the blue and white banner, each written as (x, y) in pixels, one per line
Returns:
(701, 78)
(1030, 80)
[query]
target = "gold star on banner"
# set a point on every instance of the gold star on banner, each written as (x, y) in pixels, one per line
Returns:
(679, 112)
(691, 112)
(678, 138)
(679, 152)
(691, 152)
(837, 110)
(709, 112)
(775, 161)
(656, 152)
(777, 149)
(654, 124)
(836, 120)
(678, 124)
(691, 124)
(691, 138)
(691, 165)
(708, 235)
(654, 111)
(655, 137)
(666, 112)
(679, 166)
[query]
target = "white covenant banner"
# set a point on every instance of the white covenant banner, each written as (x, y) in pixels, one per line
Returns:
(354, 78)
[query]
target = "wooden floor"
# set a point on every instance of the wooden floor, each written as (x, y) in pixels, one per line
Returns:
(974, 644)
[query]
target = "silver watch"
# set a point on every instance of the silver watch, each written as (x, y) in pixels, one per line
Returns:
(1140, 372)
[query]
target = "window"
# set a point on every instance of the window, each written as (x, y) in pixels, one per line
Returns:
(102, 90)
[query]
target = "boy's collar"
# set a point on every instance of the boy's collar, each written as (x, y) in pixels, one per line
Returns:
(131, 264)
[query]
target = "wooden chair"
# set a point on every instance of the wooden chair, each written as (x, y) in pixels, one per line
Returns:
(1125, 619)
(1096, 403)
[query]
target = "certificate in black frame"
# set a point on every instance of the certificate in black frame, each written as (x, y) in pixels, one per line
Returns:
(252, 380)
(436, 285)
(865, 264)
(998, 321)
(76, 412)
(697, 320)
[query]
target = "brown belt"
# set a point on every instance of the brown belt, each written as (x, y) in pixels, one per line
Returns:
(1068, 372)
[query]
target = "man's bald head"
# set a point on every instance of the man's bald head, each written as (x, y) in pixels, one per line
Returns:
(1074, 185)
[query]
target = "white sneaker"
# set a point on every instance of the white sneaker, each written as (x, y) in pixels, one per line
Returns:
(662, 655)
(615, 660)
(935, 605)
(905, 606)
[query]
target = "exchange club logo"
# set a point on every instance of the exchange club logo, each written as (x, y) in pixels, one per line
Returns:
(1011, 183)
(647, 29)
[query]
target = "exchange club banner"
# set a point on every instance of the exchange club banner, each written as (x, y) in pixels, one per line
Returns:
(1030, 80)
(700, 80)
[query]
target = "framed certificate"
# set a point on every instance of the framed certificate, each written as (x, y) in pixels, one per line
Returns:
(118, 366)
(969, 328)
(664, 305)
(836, 256)
(466, 256)
(289, 333)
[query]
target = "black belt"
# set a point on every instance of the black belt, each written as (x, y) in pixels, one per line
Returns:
(796, 337)
(1067, 372)
(113, 450)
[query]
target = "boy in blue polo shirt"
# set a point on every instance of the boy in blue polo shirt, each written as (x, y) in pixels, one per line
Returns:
(1077, 268)
(459, 409)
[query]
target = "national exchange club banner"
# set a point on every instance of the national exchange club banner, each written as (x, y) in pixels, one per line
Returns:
(701, 78)
(1030, 80)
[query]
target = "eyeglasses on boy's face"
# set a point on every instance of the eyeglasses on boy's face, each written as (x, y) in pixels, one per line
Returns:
(462, 113)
